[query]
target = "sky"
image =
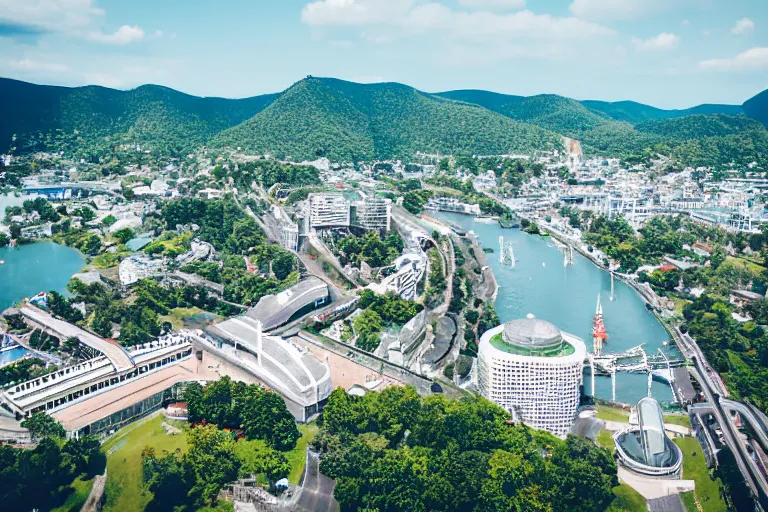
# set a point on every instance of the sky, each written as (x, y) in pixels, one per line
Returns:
(667, 53)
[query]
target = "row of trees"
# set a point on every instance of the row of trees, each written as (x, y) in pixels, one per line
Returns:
(395, 450)
(39, 478)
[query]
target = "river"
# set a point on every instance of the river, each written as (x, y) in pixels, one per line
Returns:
(31, 269)
(567, 296)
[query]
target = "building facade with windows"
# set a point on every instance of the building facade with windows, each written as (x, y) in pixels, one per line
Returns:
(533, 370)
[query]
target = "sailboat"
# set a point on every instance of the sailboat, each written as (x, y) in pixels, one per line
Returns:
(599, 334)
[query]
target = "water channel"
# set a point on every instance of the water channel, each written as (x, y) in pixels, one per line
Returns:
(566, 296)
(33, 268)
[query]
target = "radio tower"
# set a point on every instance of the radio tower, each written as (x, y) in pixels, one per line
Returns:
(599, 335)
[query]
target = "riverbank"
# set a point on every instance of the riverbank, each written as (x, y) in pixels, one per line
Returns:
(541, 285)
(642, 293)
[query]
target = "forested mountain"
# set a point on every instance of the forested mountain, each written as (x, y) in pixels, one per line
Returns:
(757, 107)
(557, 113)
(344, 120)
(347, 121)
(702, 135)
(633, 112)
(154, 117)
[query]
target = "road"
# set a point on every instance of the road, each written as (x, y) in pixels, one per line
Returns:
(317, 493)
(713, 389)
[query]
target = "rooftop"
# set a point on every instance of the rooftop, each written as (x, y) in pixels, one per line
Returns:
(532, 337)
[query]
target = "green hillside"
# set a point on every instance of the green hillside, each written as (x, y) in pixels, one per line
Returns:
(634, 113)
(757, 107)
(556, 113)
(702, 135)
(343, 120)
(86, 120)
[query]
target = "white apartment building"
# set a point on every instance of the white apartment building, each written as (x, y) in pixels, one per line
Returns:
(533, 370)
(372, 214)
(328, 210)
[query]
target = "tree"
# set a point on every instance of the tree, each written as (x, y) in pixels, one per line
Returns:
(123, 235)
(85, 213)
(211, 462)
(42, 426)
(717, 257)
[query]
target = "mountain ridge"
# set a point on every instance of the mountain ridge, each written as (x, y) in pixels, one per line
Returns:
(319, 116)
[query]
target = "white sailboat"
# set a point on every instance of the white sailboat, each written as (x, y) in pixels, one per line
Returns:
(511, 255)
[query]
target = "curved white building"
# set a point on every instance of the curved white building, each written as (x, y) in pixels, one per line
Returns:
(645, 448)
(533, 369)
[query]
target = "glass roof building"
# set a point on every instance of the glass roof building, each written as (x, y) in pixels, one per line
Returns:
(533, 370)
(645, 448)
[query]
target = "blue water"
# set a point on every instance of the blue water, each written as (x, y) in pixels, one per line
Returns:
(11, 355)
(567, 296)
(33, 268)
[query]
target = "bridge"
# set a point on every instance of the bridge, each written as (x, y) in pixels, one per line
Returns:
(116, 354)
(633, 360)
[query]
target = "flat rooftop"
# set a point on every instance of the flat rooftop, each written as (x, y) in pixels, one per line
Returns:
(103, 405)
(116, 354)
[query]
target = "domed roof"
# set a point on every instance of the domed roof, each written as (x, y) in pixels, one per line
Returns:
(532, 333)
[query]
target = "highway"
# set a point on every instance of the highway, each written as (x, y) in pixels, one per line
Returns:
(713, 389)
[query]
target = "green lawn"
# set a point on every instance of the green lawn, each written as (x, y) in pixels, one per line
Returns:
(75, 501)
(677, 419)
(605, 412)
(177, 316)
(627, 500)
(695, 468)
(689, 502)
(298, 456)
(605, 439)
(124, 490)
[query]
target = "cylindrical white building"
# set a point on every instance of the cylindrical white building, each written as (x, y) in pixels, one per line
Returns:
(533, 369)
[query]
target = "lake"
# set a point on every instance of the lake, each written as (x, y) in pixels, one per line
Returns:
(33, 268)
(566, 296)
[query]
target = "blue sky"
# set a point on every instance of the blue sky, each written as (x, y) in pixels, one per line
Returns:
(668, 53)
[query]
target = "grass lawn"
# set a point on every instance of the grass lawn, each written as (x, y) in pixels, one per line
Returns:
(677, 419)
(605, 439)
(745, 264)
(177, 316)
(612, 414)
(627, 500)
(695, 468)
(75, 501)
(298, 456)
(124, 490)
(688, 501)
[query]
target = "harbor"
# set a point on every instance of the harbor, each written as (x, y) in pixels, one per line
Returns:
(560, 285)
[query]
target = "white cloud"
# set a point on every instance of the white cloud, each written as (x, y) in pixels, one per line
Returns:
(403, 17)
(750, 60)
(743, 27)
(598, 10)
(663, 41)
(493, 4)
(685, 22)
(355, 12)
(50, 15)
(124, 35)
(36, 65)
